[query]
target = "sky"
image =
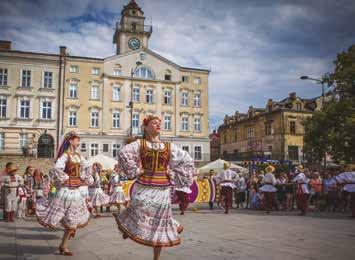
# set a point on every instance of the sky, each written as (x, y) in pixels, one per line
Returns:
(256, 49)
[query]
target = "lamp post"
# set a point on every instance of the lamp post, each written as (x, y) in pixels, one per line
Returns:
(319, 81)
(138, 63)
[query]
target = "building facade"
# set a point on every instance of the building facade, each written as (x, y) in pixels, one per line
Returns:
(28, 102)
(274, 132)
(53, 94)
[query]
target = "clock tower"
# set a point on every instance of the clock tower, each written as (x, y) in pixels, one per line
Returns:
(131, 32)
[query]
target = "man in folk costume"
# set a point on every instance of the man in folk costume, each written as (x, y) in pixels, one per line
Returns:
(183, 197)
(226, 180)
(268, 188)
(347, 179)
(117, 195)
(302, 190)
(68, 208)
(157, 165)
(11, 181)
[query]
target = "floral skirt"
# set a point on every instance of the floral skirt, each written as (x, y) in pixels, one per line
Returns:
(98, 197)
(148, 220)
(118, 196)
(67, 209)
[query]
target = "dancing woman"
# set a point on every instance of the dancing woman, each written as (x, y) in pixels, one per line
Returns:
(68, 208)
(117, 195)
(148, 220)
(98, 197)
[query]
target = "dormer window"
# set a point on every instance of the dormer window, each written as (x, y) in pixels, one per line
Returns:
(143, 72)
(298, 107)
(168, 75)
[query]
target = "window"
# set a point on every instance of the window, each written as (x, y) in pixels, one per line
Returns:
(74, 68)
(167, 123)
(3, 77)
(3, 107)
(167, 97)
(94, 149)
(298, 106)
(72, 117)
(94, 118)
(144, 72)
(94, 94)
(149, 96)
(135, 120)
(235, 136)
(83, 147)
(185, 99)
(46, 110)
(116, 93)
(268, 128)
(185, 79)
(136, 94)
(115, 149)
(292, 127)
(197, 81)
(198, 153)
(142, 56)
(293, 152)
(167, 77)
(134, 25)
(24, 109)
(73, 90)
(48, 79)
(117, 72)
(2, 141)
(185, 123)
(26, 79)
(197, 99)
(116, 119)
(186, 148)
(250, 133)
(23, 140)
(197, 124)
(95, 71)
(105, 148)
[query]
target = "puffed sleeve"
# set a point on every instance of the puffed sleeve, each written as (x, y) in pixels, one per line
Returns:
(181, 167)
(86, 172)
(57, 174)
(129, 160)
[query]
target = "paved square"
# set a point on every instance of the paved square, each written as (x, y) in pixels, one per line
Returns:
(212, 235)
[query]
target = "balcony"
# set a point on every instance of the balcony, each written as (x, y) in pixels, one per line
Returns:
(134, 28)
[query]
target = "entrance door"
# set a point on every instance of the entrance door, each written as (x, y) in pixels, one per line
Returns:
(45, 148)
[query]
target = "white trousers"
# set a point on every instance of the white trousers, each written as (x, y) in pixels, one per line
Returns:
(10, 204)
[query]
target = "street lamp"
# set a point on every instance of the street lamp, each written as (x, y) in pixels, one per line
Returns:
(319, 81)
(138, 63)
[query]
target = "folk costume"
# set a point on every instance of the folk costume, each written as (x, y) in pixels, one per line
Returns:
(11, 183)
(348, 180)
(98, 197)
(302, 190)
(22, 201)
(117, 195)
(68, 207)
(183, 197)
(226, 180)
(268, 188)
(157, 166)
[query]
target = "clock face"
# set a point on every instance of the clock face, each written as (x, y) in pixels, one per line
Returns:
(134, 43)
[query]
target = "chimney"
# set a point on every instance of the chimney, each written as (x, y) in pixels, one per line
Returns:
(293, 95)
(62, 50)
(5, 45)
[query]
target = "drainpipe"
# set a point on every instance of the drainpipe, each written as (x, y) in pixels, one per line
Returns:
(282, 137)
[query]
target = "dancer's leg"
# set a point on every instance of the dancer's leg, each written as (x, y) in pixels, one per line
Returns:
(157, 251)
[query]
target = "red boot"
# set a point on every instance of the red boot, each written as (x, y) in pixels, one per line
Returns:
(7, 216)
(12, 216)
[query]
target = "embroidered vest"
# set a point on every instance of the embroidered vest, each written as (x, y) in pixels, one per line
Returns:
(155, 165)
(73, 171)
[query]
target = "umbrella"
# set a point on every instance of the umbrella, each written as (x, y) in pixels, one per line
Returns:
(217, 167)
(107, 162)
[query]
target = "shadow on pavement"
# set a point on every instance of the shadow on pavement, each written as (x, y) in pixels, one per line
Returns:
(30, 236)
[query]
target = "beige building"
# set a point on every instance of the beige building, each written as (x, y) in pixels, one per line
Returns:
(28, 102)
(97, 94)
(274, 132)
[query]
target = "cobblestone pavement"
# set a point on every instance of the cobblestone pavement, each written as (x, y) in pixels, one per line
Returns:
(243, 234)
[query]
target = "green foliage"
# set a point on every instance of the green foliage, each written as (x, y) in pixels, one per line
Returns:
(332, 129)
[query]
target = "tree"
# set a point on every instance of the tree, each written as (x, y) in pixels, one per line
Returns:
(332, 130)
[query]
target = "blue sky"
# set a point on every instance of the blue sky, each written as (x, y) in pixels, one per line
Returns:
(256, 49)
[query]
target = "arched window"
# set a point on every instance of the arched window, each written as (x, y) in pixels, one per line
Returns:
(143, 72)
